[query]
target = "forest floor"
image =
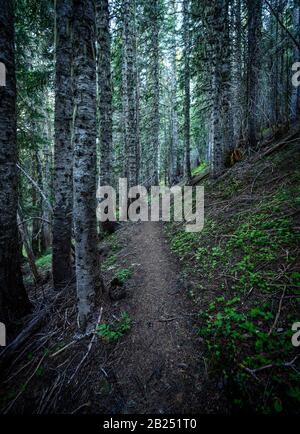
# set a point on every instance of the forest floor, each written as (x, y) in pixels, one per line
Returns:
(190, 322)
(160, 369)
(153, 367)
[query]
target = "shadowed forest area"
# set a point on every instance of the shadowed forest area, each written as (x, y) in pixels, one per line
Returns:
(124, 317)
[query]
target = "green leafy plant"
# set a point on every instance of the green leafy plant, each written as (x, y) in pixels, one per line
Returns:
(44, 261)
(123, 275)
(115, 331)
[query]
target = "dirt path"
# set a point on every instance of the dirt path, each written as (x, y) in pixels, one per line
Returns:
(160, 370)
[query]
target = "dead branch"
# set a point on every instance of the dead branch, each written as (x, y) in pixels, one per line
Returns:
(37, 187)
(278, 312)
(34, 325)
(24, 386)
(282, 25)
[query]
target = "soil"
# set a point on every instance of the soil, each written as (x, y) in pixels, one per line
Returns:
(155, 368)
(160, 370)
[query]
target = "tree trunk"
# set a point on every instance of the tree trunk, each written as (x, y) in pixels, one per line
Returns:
(63, 148)
(237, 72)
(22, 226)
(187, 96)
(105, 99)
(14, 302)
(129, 93)
(225, 59)
(36, 205)
(295, 99)
(46, 240)
(216, 16)
(155, 89)
(173, 117)
(88, 279)
(254, 29)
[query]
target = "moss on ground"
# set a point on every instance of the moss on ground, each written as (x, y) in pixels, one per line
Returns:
(245, 264)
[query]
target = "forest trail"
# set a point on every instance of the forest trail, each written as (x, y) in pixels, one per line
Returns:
(160, 370)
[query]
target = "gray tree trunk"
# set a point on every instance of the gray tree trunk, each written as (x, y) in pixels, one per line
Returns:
(253, 64)
(14, 302)
(154, 65)
(295, 98)
(227, 120)
(173, 116)
(216, 22)
(63, 148)
(237, 88)
(88, 280)
(187, 96)
(104, 84)
(129, 93)
(36, 204)
(47, 183)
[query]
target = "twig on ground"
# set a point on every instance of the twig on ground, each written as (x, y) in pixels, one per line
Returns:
(24, 386)
(278, 312)
(63, 348)
(253, 372)
(88, 350)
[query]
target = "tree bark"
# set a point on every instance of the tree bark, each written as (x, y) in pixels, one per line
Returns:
(105, 99)
(187, 96)
(172, 177)
(88, 279)
(14, 302)
(237, 108)
(253, 64)
(63, 147)
(129, 85)
(216, 26)
(26, 242)
(154, 15)
(295, 98)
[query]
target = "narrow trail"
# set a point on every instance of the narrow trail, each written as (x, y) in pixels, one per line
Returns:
(160, 370)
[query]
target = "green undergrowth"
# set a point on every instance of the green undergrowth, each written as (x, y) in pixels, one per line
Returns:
(115, 331)
(44, 261)
(245, 270)
(123, 275)
(197, 170)
(114, 246)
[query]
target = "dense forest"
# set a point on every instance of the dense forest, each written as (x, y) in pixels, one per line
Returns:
(120, 317)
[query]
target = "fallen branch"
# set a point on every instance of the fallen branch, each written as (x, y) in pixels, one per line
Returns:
(24, 386)
(63, 348)
(253, 372)
(276, 147)
(34, 325)
(278, 312)
(196, 179)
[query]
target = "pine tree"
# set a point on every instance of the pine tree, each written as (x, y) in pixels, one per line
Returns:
(154, 65)
(254, 29)
(187, 96)
(129, 84)
(14, 302)
(63, 148)
(88, 279)
(295, 98)
(105, 98)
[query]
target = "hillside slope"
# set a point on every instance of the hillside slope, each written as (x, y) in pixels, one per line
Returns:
(242, 273)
